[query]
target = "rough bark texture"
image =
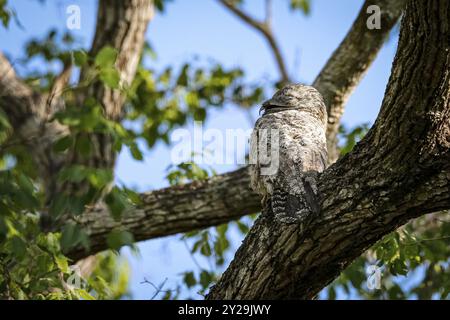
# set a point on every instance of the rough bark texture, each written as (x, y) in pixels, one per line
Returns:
(177, 209)
(401, 170)
(348, 64)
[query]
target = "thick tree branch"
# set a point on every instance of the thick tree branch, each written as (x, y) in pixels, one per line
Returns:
(265, 29)
(177, 209)
(348, 64)
(400, 171)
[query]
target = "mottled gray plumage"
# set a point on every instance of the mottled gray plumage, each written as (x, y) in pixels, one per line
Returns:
(296, 117)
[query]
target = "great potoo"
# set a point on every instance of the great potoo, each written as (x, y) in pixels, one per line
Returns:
(287, 150)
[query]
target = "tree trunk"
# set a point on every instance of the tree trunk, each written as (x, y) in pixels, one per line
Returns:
(401, 170)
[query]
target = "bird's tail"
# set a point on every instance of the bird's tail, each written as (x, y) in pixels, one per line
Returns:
(292, 208)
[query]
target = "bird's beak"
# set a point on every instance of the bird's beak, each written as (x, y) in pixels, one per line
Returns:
(263, 108)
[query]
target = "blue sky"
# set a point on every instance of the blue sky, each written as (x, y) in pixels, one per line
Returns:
(203, 28)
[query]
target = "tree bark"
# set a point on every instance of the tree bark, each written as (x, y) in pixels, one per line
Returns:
(176, 209)
(400, 171)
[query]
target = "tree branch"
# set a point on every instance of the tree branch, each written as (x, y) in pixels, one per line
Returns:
(265, 29)
(53, 98)
(400, 171)
(176, 209)
(349, 63)
(26, 111)
(16, 98)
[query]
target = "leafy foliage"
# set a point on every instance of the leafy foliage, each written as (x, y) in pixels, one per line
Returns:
(351, 136)
(302, 5)
(5, 14)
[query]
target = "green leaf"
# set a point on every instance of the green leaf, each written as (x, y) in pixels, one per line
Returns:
(58, 205)
(200, 114)
(399, 268)
(183, 77)
(206, 279)
(110, 77)
(62, 263)
(75, 173)
(132, 196)
(205, 249)
(73, 235)
(80, 58)
(303, 5)
(5, 14)
(189, 279)
(118, 239)
(106, 58)
(351, 137)
(116, 200)
(332, 293)
(136, 152)
(18, 247)
(83, 145)
(84, 294)
(63, 144)
(243, 228)
(159, 4)
(99, 177)
(44, 263)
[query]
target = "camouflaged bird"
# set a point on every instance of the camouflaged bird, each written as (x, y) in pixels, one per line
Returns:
(287, 150)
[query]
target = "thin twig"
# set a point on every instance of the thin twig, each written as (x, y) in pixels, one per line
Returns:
(59, 87)
(192, 255)
(427, 240)
(269, 13)
(265, 29)
(158, 289)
